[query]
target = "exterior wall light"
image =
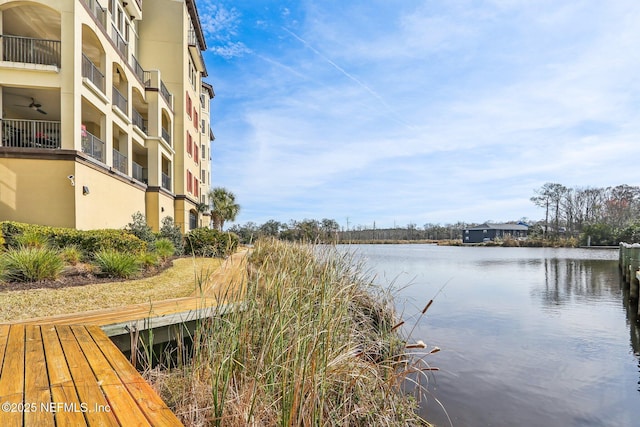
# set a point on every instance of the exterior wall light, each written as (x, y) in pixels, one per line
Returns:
(85, 190)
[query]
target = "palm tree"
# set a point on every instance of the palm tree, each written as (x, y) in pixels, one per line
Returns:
(224, 206)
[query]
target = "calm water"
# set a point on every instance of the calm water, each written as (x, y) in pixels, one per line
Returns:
(529, 336)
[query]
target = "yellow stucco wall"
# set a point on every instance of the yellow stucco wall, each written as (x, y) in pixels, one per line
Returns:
(37, 191)
(110, 202)
(159, 206)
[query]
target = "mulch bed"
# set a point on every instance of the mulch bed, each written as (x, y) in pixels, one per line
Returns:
(80, 275)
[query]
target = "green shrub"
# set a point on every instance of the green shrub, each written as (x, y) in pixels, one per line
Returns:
(31, 238)
(30, 264)
(139, 228)
(71, 254)
(149, 259)
(169, 230)
(117, 240)
(114, 263)
(88, 242)
(210, 243)
(165, 248)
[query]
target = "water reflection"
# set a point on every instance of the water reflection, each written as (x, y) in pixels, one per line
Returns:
(529, 337)
(571, 280)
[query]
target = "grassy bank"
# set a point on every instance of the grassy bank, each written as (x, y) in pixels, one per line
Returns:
(177, 281)
(315, 345)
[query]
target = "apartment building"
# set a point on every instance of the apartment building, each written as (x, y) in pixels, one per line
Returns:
(104, 112)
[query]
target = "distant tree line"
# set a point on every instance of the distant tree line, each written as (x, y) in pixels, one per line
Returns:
(307, 230)
(329, 231)
(601, 216)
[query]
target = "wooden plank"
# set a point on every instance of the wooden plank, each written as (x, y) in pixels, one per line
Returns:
(36, 387)
(12, 378)
(89, 392)
(120, 401)
(63, 390)
(132, 312)
(4, 336)
(124, 328)
(154, 408)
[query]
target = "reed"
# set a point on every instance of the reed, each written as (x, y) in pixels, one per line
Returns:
(315, 343)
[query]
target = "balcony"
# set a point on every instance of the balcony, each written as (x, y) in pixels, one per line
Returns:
(166, 181)
(99, 12)
(165, 93)
(119, 100)
(138, 120)
(166, 136)
(93, 146)
(30, 133)
(92, 73)
(138, 172)
(121, 44)
(119, 161)
(141, 74)
(30, 51)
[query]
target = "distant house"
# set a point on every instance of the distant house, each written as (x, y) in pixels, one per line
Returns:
(487, 232)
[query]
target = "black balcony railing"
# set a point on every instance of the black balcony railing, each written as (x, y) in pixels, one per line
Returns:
(91, 72)
(166, 136)
(93, 146)
(138, 120)
(141, 74)
(165, 93)
(30, 51)
(98, 11)
(30, 133)
(119, 100)
(166, 181)
(119, 161)
(121, 44)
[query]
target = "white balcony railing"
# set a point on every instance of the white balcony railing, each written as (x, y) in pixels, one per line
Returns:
(30, 133)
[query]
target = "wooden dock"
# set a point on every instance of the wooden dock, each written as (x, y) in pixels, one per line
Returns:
(59, 375)
(65, 370)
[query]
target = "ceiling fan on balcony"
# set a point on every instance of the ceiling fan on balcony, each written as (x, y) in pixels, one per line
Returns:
(34, 106)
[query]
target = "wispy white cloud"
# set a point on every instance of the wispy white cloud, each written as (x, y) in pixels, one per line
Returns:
(230, 50)
(501, 96)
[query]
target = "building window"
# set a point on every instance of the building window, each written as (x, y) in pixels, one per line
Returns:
(195, 119)
(195, 153)
(203, 176)
(203, 126)
(189, 105)
(189, 143)
(196, 186)
(204, 154)
(189, 182)
(193, 220)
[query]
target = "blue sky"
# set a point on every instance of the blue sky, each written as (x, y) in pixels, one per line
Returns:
(419, 111)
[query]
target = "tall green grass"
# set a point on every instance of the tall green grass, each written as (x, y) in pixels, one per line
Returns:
(117, 264)
(315, 344)
(30, 264)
